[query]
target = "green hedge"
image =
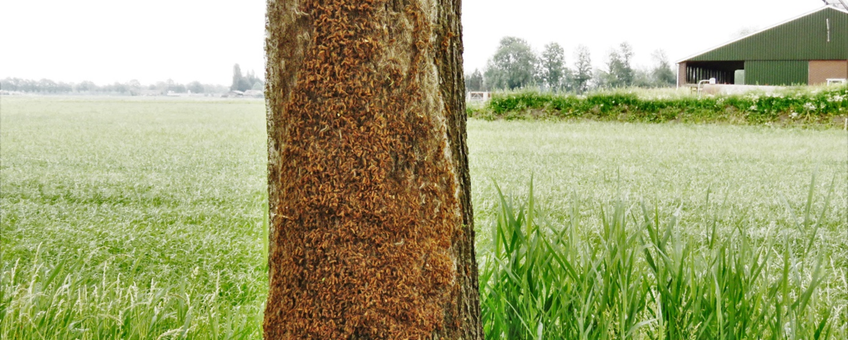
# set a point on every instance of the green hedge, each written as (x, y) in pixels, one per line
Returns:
(816, 106)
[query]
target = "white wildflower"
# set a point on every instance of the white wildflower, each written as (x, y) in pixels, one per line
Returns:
(810, 106)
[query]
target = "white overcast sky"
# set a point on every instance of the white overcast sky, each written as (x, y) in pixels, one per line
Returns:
(115, 40)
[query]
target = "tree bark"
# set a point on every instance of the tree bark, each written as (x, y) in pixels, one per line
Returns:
(371, 226)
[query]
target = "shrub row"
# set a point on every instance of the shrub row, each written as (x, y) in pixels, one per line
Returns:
(821, 106)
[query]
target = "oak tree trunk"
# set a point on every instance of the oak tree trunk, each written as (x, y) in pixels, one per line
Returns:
(369, 192)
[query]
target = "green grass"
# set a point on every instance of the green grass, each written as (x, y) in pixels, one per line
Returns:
(144, 218)
(132, 218)
(635, 276)
(751, 171)
(717, 201)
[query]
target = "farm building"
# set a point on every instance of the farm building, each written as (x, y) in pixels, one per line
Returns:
(809, 49)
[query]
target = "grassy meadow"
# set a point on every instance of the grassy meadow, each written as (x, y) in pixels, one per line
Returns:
(144, 218)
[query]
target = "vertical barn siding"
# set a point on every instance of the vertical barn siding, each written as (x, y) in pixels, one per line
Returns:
(804, 38)
(776, 72)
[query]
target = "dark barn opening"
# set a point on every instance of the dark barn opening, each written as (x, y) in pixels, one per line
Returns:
(722, 71)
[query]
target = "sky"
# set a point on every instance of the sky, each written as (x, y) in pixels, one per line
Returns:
(109, 41)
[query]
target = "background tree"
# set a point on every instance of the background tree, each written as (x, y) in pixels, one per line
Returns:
(47, 86)
(236, 78)
(134, 87)
(240, 82)
(371, 228)
(66, 87)
(552, 65)
(195, 87)
(9, 84)
(474, 81)
(600, 79)
(606, 78)
(582, 69)
(161, 87)
(513, 65)
(661, 74)
(619, 71)
(119, 88)
(244, 82)
(175, 87)
(642, 77)
(251, 81)
(85, 86)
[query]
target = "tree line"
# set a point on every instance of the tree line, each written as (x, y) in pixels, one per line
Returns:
(245, 82)
(249, 81)
(132, 87)
(515, 65)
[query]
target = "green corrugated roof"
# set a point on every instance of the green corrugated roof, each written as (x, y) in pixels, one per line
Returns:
(802, 38)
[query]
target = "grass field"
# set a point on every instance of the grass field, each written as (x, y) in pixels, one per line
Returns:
(144, 218)
(752, 171)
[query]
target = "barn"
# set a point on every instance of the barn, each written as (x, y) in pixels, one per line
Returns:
(806, 50)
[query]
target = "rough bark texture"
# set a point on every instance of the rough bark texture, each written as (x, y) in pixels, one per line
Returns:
(369, 192)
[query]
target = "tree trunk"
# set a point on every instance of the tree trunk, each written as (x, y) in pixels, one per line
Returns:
(369, 193)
